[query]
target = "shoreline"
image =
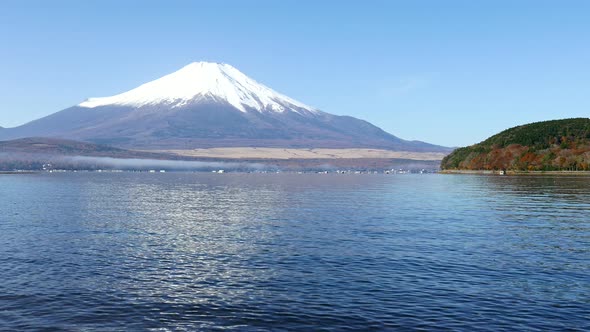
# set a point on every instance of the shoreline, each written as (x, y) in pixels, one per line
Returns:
(515, 173)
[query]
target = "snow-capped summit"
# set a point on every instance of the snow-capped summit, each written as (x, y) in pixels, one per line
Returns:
(201, 81)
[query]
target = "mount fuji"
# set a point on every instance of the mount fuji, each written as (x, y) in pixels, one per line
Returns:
(205, 105)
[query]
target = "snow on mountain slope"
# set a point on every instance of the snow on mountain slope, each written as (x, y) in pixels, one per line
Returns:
(209, 105)
(201, 81)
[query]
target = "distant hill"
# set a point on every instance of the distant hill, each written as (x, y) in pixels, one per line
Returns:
(62, 147)
(33, 153)
(541, 146)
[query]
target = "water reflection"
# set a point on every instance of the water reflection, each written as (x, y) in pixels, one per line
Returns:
(204, 251)
(541, 225)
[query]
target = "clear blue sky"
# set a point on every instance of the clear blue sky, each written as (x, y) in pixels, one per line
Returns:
(446, 72)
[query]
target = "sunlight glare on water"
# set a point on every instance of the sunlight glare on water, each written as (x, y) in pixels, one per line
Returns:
(178, 251)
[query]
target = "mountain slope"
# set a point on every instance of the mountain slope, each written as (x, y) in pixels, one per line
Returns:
(541, 146)
(209, 105)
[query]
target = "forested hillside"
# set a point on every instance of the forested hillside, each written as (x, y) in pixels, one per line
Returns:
(541, 146)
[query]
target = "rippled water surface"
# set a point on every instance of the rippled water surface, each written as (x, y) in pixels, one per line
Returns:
(176, 252)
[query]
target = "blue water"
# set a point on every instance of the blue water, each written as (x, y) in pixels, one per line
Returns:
(185, 252)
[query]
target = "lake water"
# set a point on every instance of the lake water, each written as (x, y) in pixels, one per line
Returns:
(185, 252)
